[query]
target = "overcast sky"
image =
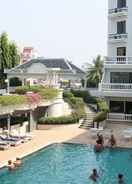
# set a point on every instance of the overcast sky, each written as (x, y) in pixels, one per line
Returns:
(74, 29)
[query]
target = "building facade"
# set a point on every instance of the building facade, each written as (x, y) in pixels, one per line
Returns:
(28, 53)
(47, 72)
(116, 84)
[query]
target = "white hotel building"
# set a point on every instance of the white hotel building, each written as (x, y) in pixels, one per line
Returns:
(116, 84)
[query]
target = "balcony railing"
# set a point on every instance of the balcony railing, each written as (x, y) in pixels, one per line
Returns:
(115, 86)
(118, 10)
(118, 60)
(119, 117)
(117, 36)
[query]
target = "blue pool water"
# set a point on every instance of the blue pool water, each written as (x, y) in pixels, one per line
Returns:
(71, 164)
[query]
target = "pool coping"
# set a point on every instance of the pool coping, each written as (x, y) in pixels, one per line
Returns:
(4, 163)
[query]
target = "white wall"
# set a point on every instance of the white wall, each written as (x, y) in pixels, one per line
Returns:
(129, 28)
(112, 4)
(112, 48)
(112, 29)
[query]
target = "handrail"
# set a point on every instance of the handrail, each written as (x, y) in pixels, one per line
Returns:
(118, 60)
(116, 86)
(119, 116)
(117, 10)
(117, 35)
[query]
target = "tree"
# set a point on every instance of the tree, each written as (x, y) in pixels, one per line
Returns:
(94, 71)
(4, 52)
(14, 56)
(9, 56)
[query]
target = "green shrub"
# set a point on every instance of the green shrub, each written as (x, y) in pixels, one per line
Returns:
(100, 116)
(45, 93)
(76, 103)
(48, 93)
(102, 105)
(21, 90)
(67, 94)
(58, 120)
(85, 95)
(12, 100)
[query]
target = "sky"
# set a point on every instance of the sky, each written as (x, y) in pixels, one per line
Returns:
(72, 29)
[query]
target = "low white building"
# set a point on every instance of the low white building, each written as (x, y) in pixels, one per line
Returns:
(116, 84)
(47, 72)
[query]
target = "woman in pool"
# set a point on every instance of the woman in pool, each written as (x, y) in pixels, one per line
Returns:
(98, 147)
(94, 175)
(17, 163)
(112, 141)
(11, 165)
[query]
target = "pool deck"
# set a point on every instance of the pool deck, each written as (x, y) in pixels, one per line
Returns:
(69, 133)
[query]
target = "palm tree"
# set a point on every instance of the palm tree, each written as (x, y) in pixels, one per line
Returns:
(95, 70)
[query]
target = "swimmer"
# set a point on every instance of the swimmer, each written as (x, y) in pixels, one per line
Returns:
(112, 141)
(120, 179)
(94, 175)
(98, 146)
(17, 163)
(100, 139)
(11, 165)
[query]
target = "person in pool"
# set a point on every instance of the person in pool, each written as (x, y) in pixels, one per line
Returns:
(100, 139)
(94, 175)
(98, 147)
(120, 179)
(11, 165)
(112, 141)
(18, 162)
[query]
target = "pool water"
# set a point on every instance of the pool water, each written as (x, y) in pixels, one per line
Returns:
(71, 164)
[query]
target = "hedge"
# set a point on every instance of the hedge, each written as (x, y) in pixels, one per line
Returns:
(85, 95)
(45, 93)
(76, 103)
(12, 100)
(71, 119)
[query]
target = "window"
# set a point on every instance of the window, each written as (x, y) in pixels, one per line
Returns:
(117, 106)
(128, 108)
(121, 77)
(121, 27)
(121, 3)
(121, 51)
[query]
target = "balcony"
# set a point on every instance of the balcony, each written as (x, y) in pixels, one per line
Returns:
(119, 117)
(118, 12)
(115, 90)
(114, 38)
(116, 86)
(118, 60)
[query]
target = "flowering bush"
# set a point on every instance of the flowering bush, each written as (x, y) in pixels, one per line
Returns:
(33, 98)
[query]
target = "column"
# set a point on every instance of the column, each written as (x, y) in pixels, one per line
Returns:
(7, 81)
(32, 122)
(85, 83)
(9, 123)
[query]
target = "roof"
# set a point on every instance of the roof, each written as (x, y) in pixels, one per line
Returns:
(62, 64)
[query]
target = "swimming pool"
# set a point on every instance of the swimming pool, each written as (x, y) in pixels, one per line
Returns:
(70, 164)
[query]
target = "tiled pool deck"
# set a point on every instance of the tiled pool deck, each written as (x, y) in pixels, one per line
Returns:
(69, 133)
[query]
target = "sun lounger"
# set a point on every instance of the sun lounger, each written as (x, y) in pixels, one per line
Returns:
(11, 141)
(24, 138)
(4, 146)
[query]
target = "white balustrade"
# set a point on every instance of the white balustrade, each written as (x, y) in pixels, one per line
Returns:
(115, 86)
(119, 116)
(118, 60)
